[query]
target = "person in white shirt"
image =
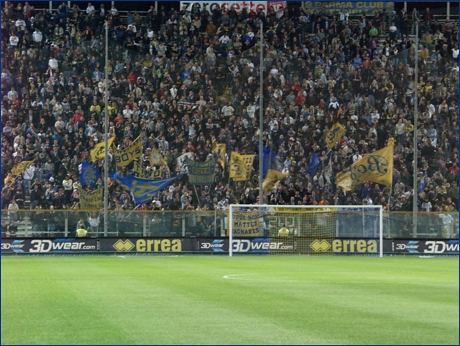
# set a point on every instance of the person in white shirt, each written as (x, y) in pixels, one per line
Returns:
(28, 175)
(53, 63)
(224, 39)
(357, 156)
(455, 53)
(37, 37)
(14, 40)
(228, 110)
(12, 93)
(173, 91)
(250, 109)
(20, 25)
(132, 27)
(368, 200)
(68, 187)
(90, 8)
(333, 104)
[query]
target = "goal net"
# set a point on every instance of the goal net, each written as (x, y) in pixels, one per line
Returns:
(311, 230)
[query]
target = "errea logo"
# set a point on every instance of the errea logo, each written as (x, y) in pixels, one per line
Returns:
(123, 245)
(320, 245)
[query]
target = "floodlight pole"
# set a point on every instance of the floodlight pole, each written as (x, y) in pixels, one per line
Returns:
(261, 113)
(106, 133)
(414, 183)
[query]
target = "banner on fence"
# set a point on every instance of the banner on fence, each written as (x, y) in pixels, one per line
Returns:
(91, 200)
(246, 223)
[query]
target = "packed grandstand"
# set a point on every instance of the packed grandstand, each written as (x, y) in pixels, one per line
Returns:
(181, 81)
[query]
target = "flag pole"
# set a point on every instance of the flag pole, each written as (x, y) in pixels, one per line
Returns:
(414, 183)
(106, 133)
(261, 114)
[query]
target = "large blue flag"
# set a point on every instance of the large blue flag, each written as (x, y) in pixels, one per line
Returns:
(314, 163)
(89, 174)
(143, 189)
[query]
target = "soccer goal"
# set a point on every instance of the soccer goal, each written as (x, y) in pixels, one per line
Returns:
(306, 229)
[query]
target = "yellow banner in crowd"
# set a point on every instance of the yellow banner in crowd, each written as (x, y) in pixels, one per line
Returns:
(98, 152)
(125, 156)
(156, 159)
(91, 200)
(336, 132)
(21, 167)
(141, 172)
(273, 176)
(240, 166)
(220, 149)
(246, 223)
(376, 167)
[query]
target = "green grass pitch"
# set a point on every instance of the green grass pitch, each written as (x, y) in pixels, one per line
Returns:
(222, 300)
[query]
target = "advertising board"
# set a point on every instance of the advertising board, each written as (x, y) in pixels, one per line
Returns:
(426, 247)
(147, 244)
(58, 245)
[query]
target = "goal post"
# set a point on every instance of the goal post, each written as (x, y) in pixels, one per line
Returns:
(305, 229)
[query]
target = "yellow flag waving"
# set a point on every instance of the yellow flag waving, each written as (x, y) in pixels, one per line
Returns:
(334, 134)
(125, 156)
(98, 152)
(376, 167)
(272, 178)
(240, 166)
(21, 167)
(220, 149)
(156, 159)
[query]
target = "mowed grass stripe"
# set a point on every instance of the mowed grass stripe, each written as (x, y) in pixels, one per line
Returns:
(186, 300)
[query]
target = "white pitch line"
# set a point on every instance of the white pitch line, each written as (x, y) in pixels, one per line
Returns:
(234, 277)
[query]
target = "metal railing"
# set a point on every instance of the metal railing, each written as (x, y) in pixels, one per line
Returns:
(183, 223)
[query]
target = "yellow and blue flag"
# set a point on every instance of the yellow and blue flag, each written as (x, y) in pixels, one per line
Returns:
(89, 174)
(143, 189)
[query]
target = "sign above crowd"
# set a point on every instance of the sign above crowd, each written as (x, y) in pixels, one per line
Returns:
(353, 8)
(237, 5)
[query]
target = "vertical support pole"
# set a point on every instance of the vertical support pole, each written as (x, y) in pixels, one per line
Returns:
(261, 113)
(106, 133)
(414, 183)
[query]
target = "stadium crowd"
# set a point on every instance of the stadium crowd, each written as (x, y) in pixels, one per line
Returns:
(185, 79)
